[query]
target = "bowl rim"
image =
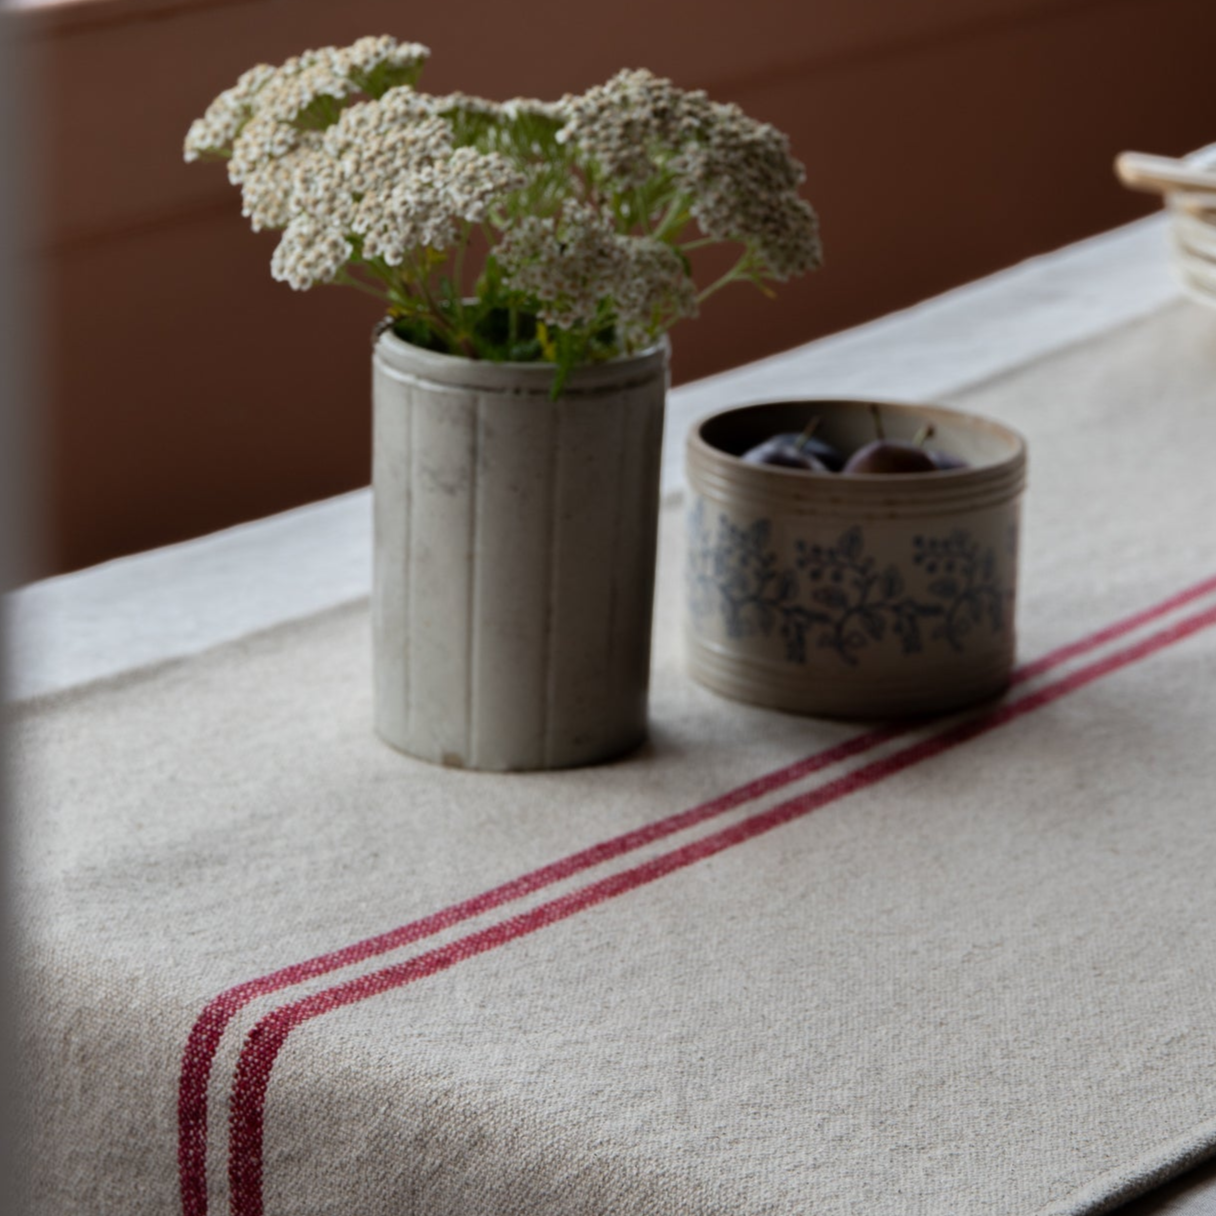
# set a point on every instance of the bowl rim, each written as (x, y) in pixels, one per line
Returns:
(921, 410)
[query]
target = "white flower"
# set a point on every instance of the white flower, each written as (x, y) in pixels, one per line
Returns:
(363, 59)
(226, 115)
(467, 104)
(267, 192)
(737, 175)
(377, 142)
(306, 90)
(654, 290)
(315, 185)
(567, 263)
(308, 253)
(336, 148)
(413, 188)
(632, 125)
(528, 107)
(424, 207)
(581, 272)
(386, 172)
(742, 183)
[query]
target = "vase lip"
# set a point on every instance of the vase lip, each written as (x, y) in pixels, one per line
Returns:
(460, 370)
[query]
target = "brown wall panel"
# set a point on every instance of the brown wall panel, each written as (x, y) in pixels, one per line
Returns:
(188, 391)
(200, 393)
(120, 92)
(935, 166)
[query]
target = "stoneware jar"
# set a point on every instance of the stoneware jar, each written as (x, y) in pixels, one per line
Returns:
(852, 595)
(514, 556)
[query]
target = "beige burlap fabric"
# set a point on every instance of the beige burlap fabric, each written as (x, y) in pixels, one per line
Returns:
(969, 969)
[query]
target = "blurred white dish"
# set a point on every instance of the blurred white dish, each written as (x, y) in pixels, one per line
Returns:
(1193, 233)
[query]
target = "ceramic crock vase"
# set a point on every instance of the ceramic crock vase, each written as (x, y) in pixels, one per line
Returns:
(514, 556)
(851, 595)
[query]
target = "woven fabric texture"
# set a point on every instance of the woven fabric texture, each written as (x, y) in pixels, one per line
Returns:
(765, 965)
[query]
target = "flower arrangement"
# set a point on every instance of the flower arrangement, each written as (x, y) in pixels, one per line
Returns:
(580, 213)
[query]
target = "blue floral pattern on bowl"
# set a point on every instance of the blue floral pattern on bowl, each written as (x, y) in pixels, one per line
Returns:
(834, 596)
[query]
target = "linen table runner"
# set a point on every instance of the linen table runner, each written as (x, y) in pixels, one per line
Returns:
(766, 965)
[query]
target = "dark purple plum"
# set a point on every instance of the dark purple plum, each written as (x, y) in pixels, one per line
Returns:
(801, 451)
(890, 456)
(785, 452)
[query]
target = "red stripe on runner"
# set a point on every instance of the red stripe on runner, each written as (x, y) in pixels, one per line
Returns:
(1112, 632)
(207, 1032)
(266, 1040)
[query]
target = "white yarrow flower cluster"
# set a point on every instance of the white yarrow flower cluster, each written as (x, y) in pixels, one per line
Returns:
(381, 53)
(530, 107)
(567, 262)
(226, 115)
(738, 174)
(425, 208)
(309, 252)
(743, 184)
(374, 144)
(654, 292)
(585, 201)
(328, 172)
(280, 97)
(267, 190)
(629, 127)
(386, 173)
(582, 271)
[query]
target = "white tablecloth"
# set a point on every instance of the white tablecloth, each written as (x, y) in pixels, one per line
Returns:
(189, 598)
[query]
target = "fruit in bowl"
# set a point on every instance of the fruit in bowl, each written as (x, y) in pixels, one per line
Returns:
(802, 451)
(881, 455)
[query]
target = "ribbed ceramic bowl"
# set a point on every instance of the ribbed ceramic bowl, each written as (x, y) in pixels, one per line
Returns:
(1193, 234)
(851, 595)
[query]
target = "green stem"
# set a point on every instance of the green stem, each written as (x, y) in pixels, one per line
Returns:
(641, 213)
(347, 280)
(458, 339)
(422, 307)
(385, 273)
(458, 274)
(675, 219)
(737, 271)
(396, 286)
